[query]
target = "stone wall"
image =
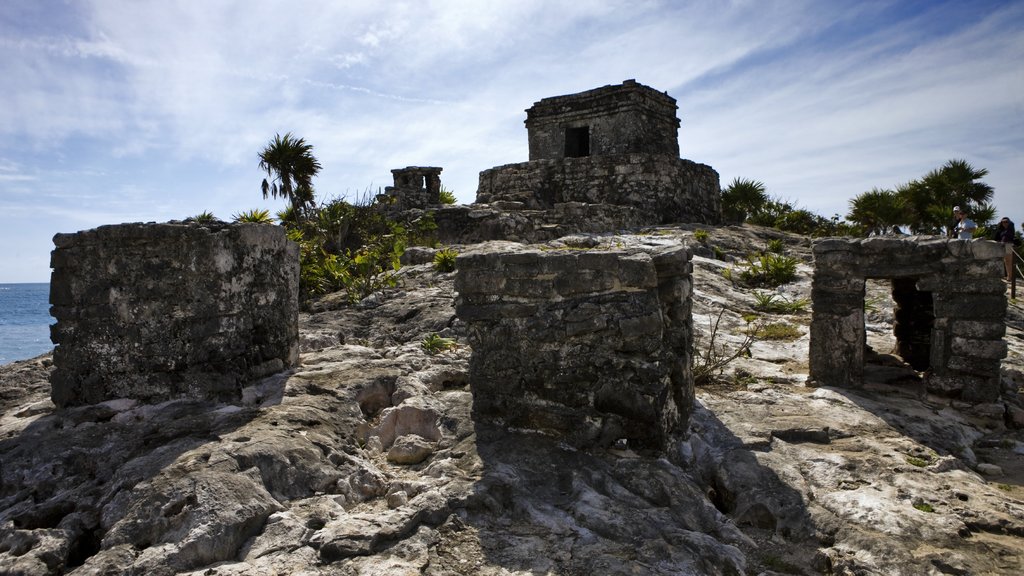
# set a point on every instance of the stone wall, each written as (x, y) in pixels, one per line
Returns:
(611, 120)
(415, 187)
(664, 189)
(160, 311)
(953, 285)
(587, 345)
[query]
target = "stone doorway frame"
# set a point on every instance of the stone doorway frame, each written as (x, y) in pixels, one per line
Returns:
(969, 304)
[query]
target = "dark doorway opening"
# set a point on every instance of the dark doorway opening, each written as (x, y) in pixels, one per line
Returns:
(577, 142)
(913, 318)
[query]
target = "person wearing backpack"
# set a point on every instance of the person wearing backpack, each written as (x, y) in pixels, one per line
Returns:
(1005, 233)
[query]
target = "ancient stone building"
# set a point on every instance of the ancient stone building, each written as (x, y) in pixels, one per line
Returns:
(949, 319)
(416, 187)
(589, 346)
(160, 311)
(614, 145)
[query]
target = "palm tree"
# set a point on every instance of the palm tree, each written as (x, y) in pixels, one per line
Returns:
(290, 166)
(742, 198)
(876, 211)
(930, 200)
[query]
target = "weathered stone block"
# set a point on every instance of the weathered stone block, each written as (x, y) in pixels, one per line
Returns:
(160, 311)
(588, 365)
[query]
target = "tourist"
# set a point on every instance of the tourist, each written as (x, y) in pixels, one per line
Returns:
(1005, 234)
(965, 227)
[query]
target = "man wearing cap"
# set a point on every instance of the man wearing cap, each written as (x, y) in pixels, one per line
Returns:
(964, 226)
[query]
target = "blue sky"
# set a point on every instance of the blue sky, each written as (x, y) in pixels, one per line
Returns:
(126, 111)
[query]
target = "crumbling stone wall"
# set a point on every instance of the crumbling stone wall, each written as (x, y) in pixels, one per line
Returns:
(588, 345)
(664, 189)
(161, 311)
(627, 118)
(416, 187)
(960, 281)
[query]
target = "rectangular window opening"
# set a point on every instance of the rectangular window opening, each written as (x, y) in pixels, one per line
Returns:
(577, 142)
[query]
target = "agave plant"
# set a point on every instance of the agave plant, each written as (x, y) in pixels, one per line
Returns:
(254, 217)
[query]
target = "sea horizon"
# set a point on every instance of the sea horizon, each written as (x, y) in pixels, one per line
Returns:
(24, 320)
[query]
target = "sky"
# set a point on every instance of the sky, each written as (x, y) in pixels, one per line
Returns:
(136, 111)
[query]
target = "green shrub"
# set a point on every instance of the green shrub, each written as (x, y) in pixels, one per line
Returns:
(446, 196)
(924, 507)
(718, 252)
(444, 260)
(701, 235)
(776, 304)
(769, 270)
(775, 246)
(435, 344)
(711, 357)
(777, 331)
(254, 216)
(915, 461)
(205, 217)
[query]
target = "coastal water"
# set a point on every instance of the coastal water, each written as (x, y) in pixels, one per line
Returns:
(24, 321)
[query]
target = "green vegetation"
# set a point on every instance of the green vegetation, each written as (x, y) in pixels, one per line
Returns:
(769, 270)
(718, 252)
(701, 235)
(435, 344)
(205, 217)
(924, 205)
(775, 304)
(919, 462)
(777, 331)
(742, 198)
(446, 196)
(351, 247)
(775, 246)
(444, 260)
(710, 358)
(254, 216)
(924, 507)
(290, 166)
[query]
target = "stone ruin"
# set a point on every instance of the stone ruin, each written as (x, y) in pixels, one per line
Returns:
(949, 318)
(599, 161)
(416, 187)
(615, 145)
(155, 312)
(590, 346)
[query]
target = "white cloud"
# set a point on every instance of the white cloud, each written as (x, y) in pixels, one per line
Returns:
(163, 106)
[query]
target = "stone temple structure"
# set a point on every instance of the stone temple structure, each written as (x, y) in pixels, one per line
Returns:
(949, 318)
(587, 345)
(615, 145)
(599, 161)
(155, 312)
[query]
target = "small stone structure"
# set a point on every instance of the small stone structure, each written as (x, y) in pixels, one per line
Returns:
(587, 345)
(160, 311)
(615, 145)
(950, 310)
(416, 187)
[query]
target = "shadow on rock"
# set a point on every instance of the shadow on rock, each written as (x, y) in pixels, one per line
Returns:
(114, 482)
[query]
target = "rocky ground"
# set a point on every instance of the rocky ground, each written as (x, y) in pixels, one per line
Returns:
(364, 460)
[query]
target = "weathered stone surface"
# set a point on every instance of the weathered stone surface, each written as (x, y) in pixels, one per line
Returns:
(601, 356)
(752, 487)
(950, 305)
(161, 311)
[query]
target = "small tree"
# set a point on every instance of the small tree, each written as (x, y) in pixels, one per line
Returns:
(877, 211)
(742, 198)
(290, 167)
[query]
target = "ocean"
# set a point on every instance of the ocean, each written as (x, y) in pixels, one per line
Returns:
(24, 321)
